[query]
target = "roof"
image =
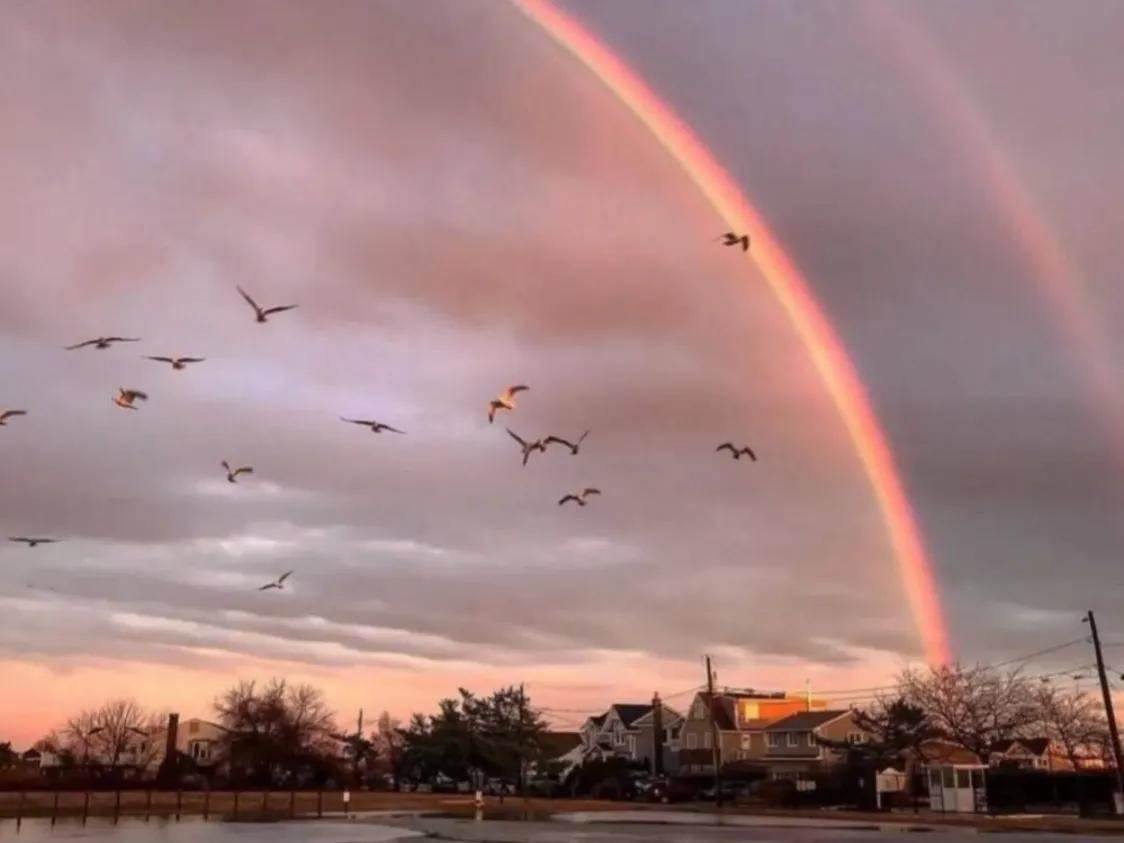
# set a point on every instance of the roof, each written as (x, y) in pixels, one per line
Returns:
(806, 721)
(937, 752)
(670, 716)
(558, 744)
(630, 712)
(599, 719)
(1036, 746)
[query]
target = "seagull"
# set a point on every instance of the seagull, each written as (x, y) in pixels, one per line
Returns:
(7, 414)
(528, 447)
(267, 312)
(178, 362)
(278, 584)
(580, 497)
(732, 238)
(102, 343)
(376, 427)
(232, 474)
(127, 397)
(737, 453)
(31, 542)
(573, 446)
(506, 401)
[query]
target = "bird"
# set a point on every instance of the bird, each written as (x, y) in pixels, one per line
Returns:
(279, 583)
(737, 453)
(263, 314)
(31, 542)
(177, 362)
(732, 238)
(376, 427)
(7, 414)
(105, 342)
(579, 497)
(528, 447)
(573, 446)
(127, 397)
(506, 401)
(232, 474)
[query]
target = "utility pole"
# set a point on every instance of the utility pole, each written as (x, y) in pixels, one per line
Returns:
(519, 737)
(715, 736)
(1109, 713)
(657, 735)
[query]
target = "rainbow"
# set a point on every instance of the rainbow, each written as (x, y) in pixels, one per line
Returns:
(1059, 281)
(793, 293)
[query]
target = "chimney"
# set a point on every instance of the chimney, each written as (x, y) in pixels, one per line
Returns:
(657, 734)
(169, 767)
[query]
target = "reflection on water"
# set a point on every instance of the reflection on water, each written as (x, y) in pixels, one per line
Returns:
(196, 830)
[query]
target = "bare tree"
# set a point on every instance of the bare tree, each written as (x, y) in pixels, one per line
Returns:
(391, 745)
(972, 707)
(120, 730)
(1074, 721)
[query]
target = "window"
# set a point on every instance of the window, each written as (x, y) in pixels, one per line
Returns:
(692, 740)
(963, 778)
(856, 737)
(949, 777)
(200, 750)
(193, 727)
(811, 739)
(794, 739)
(773, 739)
(706, 740)
(745, 741)
(698, 710)
(632, 745)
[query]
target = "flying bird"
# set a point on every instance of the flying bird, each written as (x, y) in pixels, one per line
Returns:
(573, 446)
(102, 342)
(7, 414)
(506, 401)
(528, 447)
(579, 497)
(737, 453)
(31, 542)
(232, 473)
(177, 362)
(279, 583)
(376, 427)
(264, 314)
(126, 397)
(732, 238)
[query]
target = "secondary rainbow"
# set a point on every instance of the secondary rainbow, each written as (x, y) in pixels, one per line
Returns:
(794, 294)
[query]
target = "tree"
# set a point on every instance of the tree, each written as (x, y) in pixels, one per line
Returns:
(8, 756)
(1074, 721)
(390, 743)
(117, 732)
(971, 707)
(361, 750)
(896, 729)
(278, 732)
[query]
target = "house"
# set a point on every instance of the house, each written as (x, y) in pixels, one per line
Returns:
(1030, 754)
(740, 718)
(562, 752)
(626, 731)
(956, 777)
(801, 744)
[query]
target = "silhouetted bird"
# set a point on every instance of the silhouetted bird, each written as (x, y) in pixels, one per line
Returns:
(7, 414)
(376, 427)
(506, 401)
(126, 397)
(732, 238)
(573, 446)
(102, 342)
(737, 453)
(178, 362)
(279, 583)
(31, 542)
(263, 314)
(528, 447)
(579, 497)
(232, 474)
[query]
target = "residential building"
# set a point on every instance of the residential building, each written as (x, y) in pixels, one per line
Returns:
(802, 744)
(1030, 754)
(626, 731)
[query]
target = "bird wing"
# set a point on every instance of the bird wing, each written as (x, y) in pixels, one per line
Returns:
(132, 394)
(244, 469)
(516, 437)
(81, 345)
(727, 445)
(192, 359)
(357, 421)
(161, 359)
(511, 390)
(391, 429)
(271, 585)
(592, 492)
(582, 437)
(749, 453)
(121, 339)
(569, 498)
(284, 576)
(553, 439)
(19, 539)
(226, 465)
(7, 414)
(277, 309)
(249, 300)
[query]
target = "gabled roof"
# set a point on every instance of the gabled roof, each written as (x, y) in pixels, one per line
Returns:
(629, 713)
(599, 720)
(806, 721)
(670, 717)
(558, 744)
(1035, 746)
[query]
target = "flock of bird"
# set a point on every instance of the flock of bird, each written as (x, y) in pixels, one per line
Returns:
(127, 399)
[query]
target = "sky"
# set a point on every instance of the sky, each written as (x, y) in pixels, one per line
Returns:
(457, 205)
